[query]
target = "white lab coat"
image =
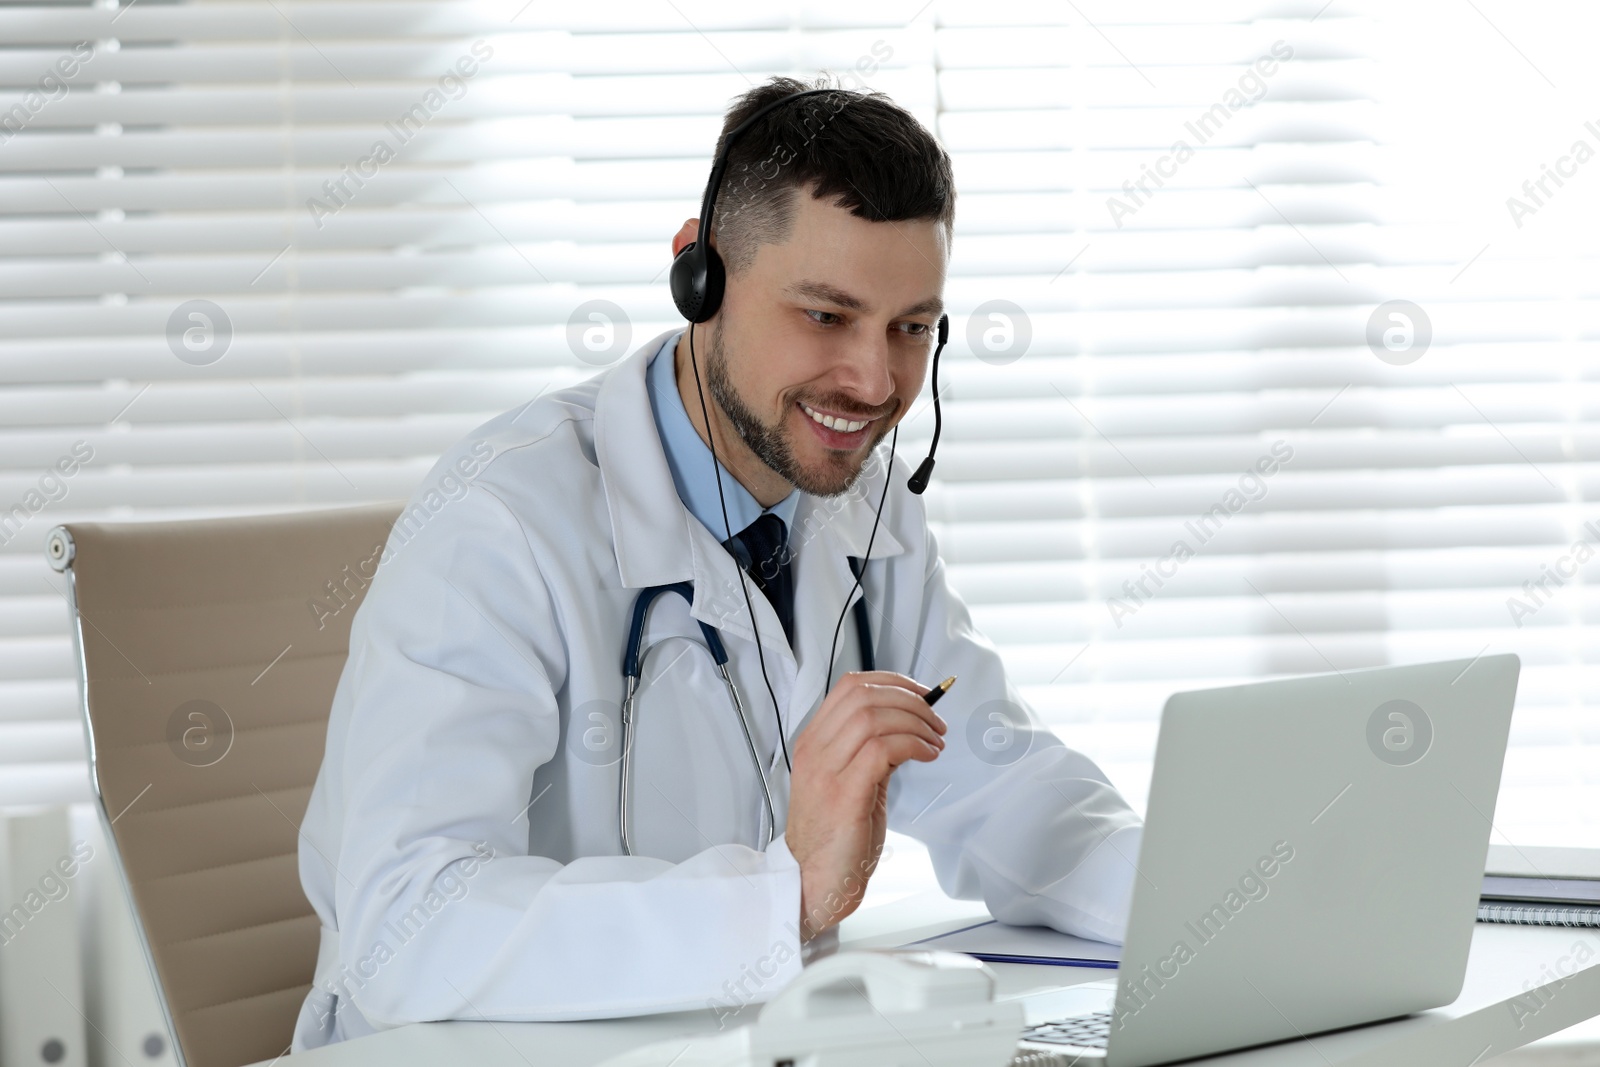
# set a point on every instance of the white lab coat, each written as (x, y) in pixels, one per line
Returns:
(461, 844)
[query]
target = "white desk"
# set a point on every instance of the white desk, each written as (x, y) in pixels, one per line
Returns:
(1507, 962)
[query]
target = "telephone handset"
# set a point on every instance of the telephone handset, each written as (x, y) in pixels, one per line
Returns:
(876, 1008)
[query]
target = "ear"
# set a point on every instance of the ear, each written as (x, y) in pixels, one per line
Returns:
(689, 231)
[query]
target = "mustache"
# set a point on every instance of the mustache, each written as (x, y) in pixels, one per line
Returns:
(836, 406)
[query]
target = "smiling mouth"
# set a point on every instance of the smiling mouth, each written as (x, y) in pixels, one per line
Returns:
(834, 422)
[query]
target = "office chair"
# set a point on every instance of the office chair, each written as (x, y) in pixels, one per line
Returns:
(208, 652)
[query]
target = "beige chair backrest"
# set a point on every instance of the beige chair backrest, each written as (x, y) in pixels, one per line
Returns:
(208, 652)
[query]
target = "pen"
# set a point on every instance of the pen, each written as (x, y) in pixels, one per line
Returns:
(939, 690)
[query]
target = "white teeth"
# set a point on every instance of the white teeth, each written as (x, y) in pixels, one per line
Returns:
(839, 425)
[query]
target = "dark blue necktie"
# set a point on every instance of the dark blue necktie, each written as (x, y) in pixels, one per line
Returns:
(762, 550)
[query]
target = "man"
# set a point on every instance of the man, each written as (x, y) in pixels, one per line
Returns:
(463, 843)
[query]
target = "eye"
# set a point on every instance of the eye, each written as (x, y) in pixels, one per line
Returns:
(917, 329)
(829, 314)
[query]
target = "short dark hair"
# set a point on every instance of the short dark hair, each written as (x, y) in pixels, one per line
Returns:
(860, 150)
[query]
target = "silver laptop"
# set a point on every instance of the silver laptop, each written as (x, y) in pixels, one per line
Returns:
(1312, 855)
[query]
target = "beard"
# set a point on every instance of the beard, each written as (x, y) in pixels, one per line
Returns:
(771, 444)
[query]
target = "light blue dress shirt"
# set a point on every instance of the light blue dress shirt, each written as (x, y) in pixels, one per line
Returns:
(690, 460)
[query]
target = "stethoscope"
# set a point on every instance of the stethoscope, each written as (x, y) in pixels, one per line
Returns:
(632, 674)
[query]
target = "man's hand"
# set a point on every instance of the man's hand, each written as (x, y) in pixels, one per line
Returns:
(870, 723)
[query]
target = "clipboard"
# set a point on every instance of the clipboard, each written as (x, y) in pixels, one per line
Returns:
(996, 942)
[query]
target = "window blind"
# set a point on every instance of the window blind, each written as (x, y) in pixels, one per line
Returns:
(263, 256)
(258, 256)
(1219, 457)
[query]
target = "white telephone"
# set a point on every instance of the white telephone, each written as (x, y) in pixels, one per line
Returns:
(864, 1009)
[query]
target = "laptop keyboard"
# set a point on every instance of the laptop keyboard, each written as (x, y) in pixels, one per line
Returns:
(1084, 1031)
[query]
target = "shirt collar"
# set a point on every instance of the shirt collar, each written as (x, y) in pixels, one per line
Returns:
(690, 460)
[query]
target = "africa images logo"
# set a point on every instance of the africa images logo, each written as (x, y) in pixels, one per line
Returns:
(1399, 732)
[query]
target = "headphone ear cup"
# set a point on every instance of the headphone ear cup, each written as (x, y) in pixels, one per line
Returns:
(697, 280)
(716, 278)
(687, 281)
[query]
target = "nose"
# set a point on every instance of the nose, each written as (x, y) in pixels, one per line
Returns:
(867, 373)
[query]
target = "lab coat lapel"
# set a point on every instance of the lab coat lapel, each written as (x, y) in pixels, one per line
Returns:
(826, 531)
(649, 523)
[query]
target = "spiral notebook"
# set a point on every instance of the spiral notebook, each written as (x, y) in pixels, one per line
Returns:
(1501, 911)
(1541, 887)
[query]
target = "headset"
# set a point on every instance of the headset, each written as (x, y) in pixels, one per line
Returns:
(698, 278)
